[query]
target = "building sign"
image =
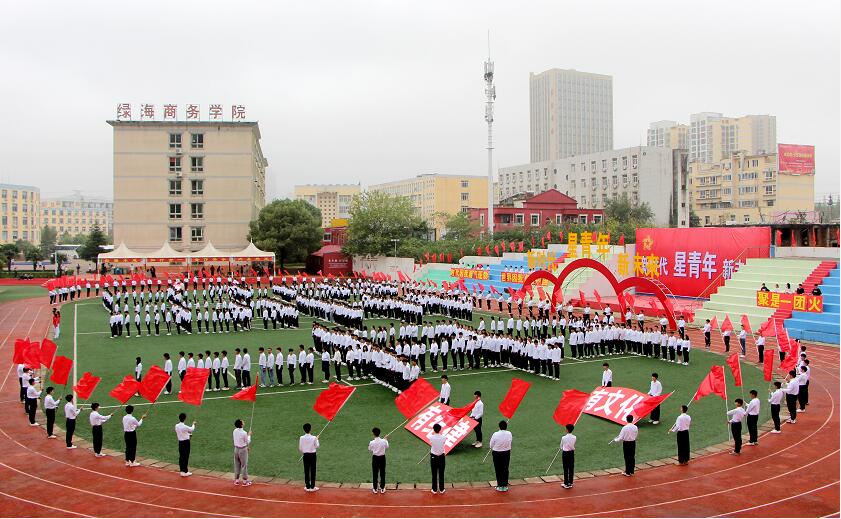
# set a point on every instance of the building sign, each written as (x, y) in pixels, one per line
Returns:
(421, 426)
(796, 159)
(586, 240)
(187, 112)
(469, 273)
(519, 278)
(616, 403)
(693, 262)
(794, 302)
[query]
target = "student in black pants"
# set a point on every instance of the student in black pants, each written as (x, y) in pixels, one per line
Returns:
(437, 459)
(501, 449)
(70, 414)
(681, 428)
(568, 455)
(628, 437)
(378, 446)
(776, 399)
(735, 417)
(308, 445)
(96, 420)
(183, 432)
(50, 405)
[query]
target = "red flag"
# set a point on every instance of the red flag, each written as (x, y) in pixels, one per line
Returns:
(331, 400)
(481, 287)
(570, 407)
(20, 347)
(652, 304)
(520, 247)
(766, 329)
(622, 239)
(511, 291)
(453, 415)
(788, 363)
(84, 388)
(479, 250)
(248, 394)
(713, 384)
(47, 352)
(125, 389)
(153, 383)
(512, 246)
(426, 255)
(61, 370)
(449, 257)
(560, 236)
(496, 250)
(540, 293)
(513, 397)
(714, 323)
(415, 398)
(768, 365)
(597, 296)
(493, 289)
(630, 300)
(32, 355)
(192, 387)
(645, 407)
(726, 324)
(735, 368)
(581, 298)
(746, 323)
(487, 250)
(542, 242)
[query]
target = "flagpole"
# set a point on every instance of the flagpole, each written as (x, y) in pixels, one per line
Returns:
(319, 433)
(553, 459)
(726, 410)
(414, 415)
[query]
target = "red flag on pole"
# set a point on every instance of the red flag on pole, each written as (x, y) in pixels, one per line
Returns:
(630, 300)
(153, 383)
(766, 329)
(248, 394)
(549, 236)
(512, 246)
(192, 387)
(746, 323)
(735, 368)
(622, 239)
(788, 363)
(487, 250)
(415, 398)
(581, 298)
(560, 236)
(513, 397)
(61, 370)
(32, 355)
(84, 388)
(331, 400)
(570, 407)
(768, 365)
(449, 257)
(125, 389)
(713, 384)
(542, 242)
(453, 415)
(597, 296)
(496, 250)
(520, 247)
(479, 250)
(726, 324)
(714, 323)
(47, 352)
(645, 407)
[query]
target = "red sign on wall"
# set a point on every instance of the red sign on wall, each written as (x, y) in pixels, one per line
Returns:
(796, 159)
(794, 302)
(693, 262)
(421, 426)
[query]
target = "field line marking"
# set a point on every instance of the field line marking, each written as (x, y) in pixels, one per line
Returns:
(27, 501)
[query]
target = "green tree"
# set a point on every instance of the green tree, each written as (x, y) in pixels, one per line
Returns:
(9, 252)
(289, 228)
(376, 218)
(623, 210)
(91, 247)
(459, 226)
(694, 219)
(33, 254)
(49, 238)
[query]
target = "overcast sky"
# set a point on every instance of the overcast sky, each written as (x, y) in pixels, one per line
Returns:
(375, 91)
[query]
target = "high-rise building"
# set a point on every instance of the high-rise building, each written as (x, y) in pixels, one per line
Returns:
(746, 189)
(571, 113)
(188, 183)
(20, 213)
(434, 194)
(332, 199)
(713, 137)
(654, 175)
(668, 134)
(77, 214)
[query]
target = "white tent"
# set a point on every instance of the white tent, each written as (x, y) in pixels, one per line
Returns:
(166, 254)
(210, 254)
(121, 254)
(252, 253)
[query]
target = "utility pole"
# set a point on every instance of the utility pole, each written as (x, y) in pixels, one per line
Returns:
(490, 94)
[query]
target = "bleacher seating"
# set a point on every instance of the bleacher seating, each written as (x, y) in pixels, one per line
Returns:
(822, 327)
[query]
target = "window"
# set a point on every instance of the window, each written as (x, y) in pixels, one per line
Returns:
(769, 175)
(465, 197)
(748, 175)
(747, 218)
(582, 218)
(197, 141)
(196, 164)
(465, 184)
(175, 141)
(174, 211)
(770, 203)
(174, 187)
(634, 161)
(196, 234)
(625, 162)
(481, 219)
(583, 183)
(196, 187)
(535, 220)
(197, 211)
(744, 190)
(592, 165)
(727, 178)
(615, 163)
(706, 220)
(174, 164)
(597, 218)
(604, 164)
(557, 219)
(572, 168)
(635, 179)
(518, 219)
(175, 234)
(769, 190)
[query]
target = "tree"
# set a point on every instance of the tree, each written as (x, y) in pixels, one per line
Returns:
(9, 252)
(92, 246)
(376, 218)
(623, 210)
(459, 226)
(289, 228)
(49, 238)
(33, 254)
(694, 219)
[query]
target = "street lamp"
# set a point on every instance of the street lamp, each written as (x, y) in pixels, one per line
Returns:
(394, 241)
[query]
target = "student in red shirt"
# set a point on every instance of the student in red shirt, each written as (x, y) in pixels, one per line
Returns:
(56, 323)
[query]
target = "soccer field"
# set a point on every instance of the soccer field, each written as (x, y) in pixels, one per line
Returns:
(343, 456)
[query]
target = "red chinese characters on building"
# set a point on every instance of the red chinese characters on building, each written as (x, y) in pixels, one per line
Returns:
(124, 111)
(170, 112)
(193, 112)
(237, 112)
(147, 111)
(215, 112)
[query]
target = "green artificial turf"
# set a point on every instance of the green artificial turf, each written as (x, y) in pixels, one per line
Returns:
(15, 292)
(343, 456)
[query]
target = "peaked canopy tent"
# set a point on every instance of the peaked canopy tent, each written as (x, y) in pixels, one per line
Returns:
(166, 256)
(210, 255)
(121, 255)
(251, 255)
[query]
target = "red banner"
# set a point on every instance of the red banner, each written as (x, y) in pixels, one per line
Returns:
(798, 302)
(796, 159)
(616, 403)
(694, 262)
(421, 425)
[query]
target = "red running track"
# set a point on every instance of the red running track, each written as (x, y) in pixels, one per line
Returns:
(794, 474)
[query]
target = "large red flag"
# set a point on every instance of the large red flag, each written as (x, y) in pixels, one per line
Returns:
(766, 329)
(61, 369)
(454, 414)
(125, 389)
(32, 355)
(788, 363)
(713, 384)
(735, 368)
(630, 300)
(513, 397)
(192, 387)
(85, 386)
(726, 324)
(415, 398)
(645, 407)
(746, 323)
(248, 394)
(479, 250)
(487, 250)
(20, 347)
(512, 246)
(714, 323)
(331, 400)
(47, 352)
(153, 383)
(570, 407)
(768, 365)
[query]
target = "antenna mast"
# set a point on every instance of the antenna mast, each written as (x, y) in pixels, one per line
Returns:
(490, 94)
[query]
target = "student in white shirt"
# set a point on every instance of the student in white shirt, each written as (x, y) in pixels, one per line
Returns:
(628, 437)
(130, 425)
(568, 455)
(70, 414)
(792, 390)
(437, 458)
(246, 368)
(752, 412)
(476, 413)
(378, 446)
(242, 440)
(501, 451)
(444, 396)
(735, 417)
(775, 399)
(743, 336)
(31, 402)
(681, 427)
(96, 421)
(607, 375)
(183, 432)
(655, 389)
(308, 445)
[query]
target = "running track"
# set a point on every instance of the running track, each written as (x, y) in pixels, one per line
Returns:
(794, 474)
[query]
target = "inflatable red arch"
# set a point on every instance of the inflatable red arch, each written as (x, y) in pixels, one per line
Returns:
(618, 286)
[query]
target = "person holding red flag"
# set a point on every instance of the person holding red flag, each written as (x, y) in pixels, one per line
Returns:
(50, 405)
(628, 437)
(377, 447)
(242, 441)
(308, 445)
(501, 448)
(183, 432)
(775, 399)
(70, 414)
(752, 412)
(792, 390)
(735, 417)
(130, 425)
(681, 428)
(96, 420)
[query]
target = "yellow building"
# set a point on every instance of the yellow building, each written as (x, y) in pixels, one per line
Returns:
(747, 188)
(434, 194)
(20, 213)
(332, 199)
(668, 134)
(78, 214)
(188, 183)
